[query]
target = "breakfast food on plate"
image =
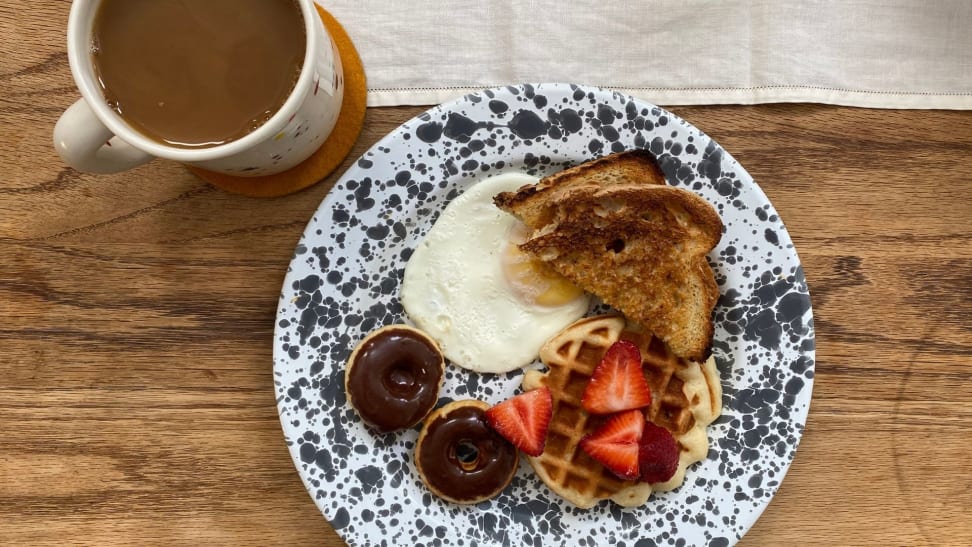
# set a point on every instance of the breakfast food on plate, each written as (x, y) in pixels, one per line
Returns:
(467, 284)
(505, 274)
(643, 251)
(617, 382)
(523, 420)
(532, 203)
(657, 454)
(393, 377)
(686, 397)
(616, 443)
(639, 246)
(460, 458)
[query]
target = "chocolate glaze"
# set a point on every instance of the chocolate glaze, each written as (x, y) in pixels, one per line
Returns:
(442, 455)
(394, 378)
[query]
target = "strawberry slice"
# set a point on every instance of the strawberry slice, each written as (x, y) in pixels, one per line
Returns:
(618, 382)
(523, 420)
(615, 444)
(657, 454)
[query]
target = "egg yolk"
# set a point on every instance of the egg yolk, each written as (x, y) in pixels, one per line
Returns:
(532, 280)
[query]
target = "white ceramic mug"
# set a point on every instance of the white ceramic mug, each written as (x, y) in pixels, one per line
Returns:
(92, 137)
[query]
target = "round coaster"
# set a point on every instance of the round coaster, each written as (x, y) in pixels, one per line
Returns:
(330, 155)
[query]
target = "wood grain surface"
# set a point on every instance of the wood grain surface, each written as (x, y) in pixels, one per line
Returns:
(136, 317)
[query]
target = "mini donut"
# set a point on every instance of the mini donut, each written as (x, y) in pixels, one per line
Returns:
(393, 377)
(460, 458)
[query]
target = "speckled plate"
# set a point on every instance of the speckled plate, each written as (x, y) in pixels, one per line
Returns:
(344, 280)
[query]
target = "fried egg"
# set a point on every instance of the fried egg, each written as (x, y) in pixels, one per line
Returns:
(467, 284)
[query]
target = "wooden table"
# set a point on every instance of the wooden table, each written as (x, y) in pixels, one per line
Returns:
(136, 318)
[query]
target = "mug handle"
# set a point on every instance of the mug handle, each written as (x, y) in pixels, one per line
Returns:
(85, 144)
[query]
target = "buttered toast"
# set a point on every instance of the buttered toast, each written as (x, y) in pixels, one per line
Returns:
(641, 248)
(531, 203)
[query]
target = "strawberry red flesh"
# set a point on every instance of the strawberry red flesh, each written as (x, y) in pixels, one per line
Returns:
(524, 419)
(618, 382)
(615, 444)
(657, 454)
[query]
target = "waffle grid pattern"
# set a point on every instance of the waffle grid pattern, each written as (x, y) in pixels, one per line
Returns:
(571, 357)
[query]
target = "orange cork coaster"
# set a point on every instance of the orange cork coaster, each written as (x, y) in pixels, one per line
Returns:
(330, 155)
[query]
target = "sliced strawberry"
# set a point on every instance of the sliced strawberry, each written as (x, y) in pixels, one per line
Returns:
(618, 382)
(615, 444)
(523, 420)
(658, 454)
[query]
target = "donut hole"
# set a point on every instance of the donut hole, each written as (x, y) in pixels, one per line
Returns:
(401, 379)
(467, 454)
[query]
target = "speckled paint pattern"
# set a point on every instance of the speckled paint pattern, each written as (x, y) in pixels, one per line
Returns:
(344, 281)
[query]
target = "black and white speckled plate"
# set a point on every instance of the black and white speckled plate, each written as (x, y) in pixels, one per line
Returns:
(344, 280)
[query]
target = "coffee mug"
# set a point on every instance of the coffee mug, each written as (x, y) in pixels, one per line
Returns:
(93, 137)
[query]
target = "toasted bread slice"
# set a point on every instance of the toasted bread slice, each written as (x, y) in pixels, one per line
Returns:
(531, 203)
(642, 250)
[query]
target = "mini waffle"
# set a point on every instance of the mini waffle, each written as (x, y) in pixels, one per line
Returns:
(686, 397)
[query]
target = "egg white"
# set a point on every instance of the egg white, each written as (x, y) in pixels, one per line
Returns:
(455, 288)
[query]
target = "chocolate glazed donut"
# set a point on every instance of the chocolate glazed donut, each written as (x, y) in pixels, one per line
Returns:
(393, 377)
(460, 457)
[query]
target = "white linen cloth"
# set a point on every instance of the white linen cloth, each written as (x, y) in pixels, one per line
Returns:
(870, 53)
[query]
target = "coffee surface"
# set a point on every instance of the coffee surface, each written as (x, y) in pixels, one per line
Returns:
(197, 73)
